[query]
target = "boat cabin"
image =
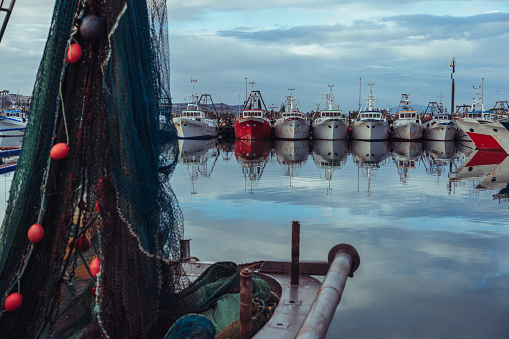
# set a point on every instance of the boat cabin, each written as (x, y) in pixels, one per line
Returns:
(481, 115)
(407, 115)
(373, 115)
(255, 113)
(331, 114)
(292, 114)
(193, 114)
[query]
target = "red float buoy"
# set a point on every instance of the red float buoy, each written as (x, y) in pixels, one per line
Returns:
(13, 302)
(59, 151)
(82, 244)
(95, 266)
(35, 233)
(74, 53)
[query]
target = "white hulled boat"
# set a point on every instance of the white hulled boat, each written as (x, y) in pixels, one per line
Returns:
(439, 125)
(292, 124)
(371, 123)
(194, 122)
(407, 125)
(330, 124)
(13, 122)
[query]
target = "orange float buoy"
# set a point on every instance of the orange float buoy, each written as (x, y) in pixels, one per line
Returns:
(74, 53)
(59, 151)
(13, 302)
(95, 267)
(82, 244)
(35, 233)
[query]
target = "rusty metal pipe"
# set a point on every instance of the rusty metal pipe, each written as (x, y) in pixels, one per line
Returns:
(295, 252)
(185, 249)
(344, 260)
(246, 286)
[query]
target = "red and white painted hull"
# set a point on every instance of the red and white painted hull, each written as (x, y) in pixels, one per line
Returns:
(252, 128)
(292, 128)
(479, 132)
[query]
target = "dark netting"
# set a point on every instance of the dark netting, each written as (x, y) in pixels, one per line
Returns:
(112, 188)
(108, 264)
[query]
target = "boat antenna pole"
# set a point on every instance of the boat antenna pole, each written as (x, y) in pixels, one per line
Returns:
(360, 90)
(7, 16)
(453, 65)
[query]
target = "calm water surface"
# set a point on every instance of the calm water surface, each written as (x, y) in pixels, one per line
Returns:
(433, 244)
(429, 222)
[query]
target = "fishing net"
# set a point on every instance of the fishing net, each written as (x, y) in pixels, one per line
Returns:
(108, 264)
(112, 188)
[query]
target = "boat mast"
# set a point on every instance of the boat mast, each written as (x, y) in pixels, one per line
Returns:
(330, 98)
(453, 65)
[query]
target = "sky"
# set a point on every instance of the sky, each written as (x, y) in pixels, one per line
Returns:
(400, 46)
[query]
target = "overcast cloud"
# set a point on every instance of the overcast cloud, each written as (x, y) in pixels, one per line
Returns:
(400, 46)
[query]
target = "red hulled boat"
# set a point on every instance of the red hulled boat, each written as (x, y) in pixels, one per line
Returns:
(252, 122)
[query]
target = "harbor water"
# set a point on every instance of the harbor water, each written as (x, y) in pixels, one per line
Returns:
(431, 232)
(434, 253)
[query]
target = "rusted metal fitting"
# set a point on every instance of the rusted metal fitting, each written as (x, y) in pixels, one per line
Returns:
(246, 287)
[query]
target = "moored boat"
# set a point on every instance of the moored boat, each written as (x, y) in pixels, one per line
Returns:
(194, 122)
(439, 126)
(252, 122)
(468, 130)
(407, 125)
(371, 123)
(13, 122)
(292, 125)
(330, 124)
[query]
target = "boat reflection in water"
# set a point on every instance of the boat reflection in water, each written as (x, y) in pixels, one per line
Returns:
(439, 156)
(11, 141)
(291, 154)
(490, 169)
(253, 155)
(195, 154)
(368, 155)
(406, 154)
(328, 156)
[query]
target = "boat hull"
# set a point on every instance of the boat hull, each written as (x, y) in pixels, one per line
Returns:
(478, 131)
(10, 127)
(440, 131)
(370, 130)
(292, 128)
(407, 130)
(190, 128)
(330, 129)
(252, 128)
